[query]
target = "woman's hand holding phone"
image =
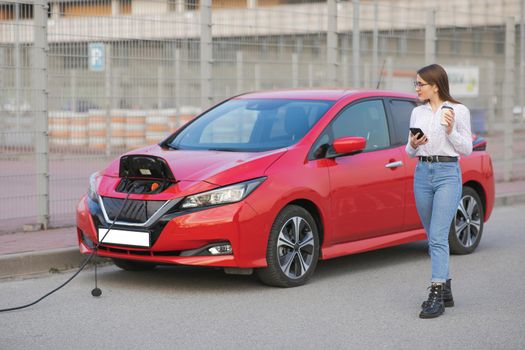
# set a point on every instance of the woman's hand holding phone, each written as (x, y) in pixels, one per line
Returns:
(417, 139)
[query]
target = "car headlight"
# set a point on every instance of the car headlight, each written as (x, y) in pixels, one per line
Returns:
(224, 195)
(92, 190)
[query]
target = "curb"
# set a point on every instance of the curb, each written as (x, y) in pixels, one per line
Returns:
(509, 199)
(48, 261)
(54, 260)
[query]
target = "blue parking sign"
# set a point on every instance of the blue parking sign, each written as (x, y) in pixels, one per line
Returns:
(96, 57)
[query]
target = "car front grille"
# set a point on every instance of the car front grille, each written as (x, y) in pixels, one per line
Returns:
(132, 253)
(135, 211)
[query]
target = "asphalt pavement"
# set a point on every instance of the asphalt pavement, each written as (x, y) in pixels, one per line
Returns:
(362, 301)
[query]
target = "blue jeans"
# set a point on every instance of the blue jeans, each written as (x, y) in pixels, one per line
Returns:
(437, 190)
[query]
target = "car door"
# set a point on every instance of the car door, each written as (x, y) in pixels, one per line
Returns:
(400, 112)
(367, 189)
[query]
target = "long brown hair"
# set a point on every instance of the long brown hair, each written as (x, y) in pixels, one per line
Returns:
(434, 74)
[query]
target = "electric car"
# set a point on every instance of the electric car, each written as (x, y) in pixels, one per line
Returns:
(271, 183)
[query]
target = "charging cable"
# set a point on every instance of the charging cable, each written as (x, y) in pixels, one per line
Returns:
(95, 291)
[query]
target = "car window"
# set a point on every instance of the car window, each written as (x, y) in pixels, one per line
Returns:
(233, 126)
(366, 119)
(401, 112)
(251, 125)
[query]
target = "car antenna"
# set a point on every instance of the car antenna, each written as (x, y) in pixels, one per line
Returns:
(380, 74)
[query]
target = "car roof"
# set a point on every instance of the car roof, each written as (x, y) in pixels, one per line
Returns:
(322, 94)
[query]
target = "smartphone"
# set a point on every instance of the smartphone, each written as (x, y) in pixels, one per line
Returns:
(416, 131)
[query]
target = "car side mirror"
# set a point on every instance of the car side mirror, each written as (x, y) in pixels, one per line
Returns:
(348, 145)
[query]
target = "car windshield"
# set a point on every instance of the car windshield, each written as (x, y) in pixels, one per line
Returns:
(251, 125)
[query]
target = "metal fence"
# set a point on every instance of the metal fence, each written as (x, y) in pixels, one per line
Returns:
(83, 81)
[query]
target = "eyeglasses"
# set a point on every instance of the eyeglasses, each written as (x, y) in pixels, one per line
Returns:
(419, 85)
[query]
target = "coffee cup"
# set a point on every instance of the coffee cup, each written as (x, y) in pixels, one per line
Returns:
(443, 121)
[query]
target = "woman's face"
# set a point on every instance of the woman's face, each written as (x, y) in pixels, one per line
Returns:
(424, 90)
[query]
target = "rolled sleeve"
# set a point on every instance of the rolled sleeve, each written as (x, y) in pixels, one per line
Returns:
(409, 149)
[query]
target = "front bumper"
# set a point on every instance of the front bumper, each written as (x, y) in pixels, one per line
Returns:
(184, 233)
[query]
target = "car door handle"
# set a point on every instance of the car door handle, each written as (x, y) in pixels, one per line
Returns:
(394, 164)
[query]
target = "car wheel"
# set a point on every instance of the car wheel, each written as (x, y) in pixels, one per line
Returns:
(467, 226)
(131, 265)
(293, 249)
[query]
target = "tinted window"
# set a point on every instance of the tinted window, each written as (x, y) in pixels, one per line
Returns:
(401, 112)
(234, 126)
(366, 119)
(252, 125)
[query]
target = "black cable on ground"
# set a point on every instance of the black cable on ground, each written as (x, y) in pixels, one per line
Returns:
(81, 266)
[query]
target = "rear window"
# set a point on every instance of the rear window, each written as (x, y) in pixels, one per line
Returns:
(401, 112)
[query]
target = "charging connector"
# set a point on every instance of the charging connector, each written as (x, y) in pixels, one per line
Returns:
(140, 174)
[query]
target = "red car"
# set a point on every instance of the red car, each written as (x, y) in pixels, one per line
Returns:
(273, 182)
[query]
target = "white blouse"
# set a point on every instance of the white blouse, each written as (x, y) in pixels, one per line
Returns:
(439, 142)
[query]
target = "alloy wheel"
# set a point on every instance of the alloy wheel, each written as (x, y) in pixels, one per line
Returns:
(295, 247)
(468, 221)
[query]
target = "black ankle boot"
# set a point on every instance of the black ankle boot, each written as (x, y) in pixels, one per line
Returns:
(434, 306)
(448, 300)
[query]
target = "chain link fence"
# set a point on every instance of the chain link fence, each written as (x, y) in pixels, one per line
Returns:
(84, 81)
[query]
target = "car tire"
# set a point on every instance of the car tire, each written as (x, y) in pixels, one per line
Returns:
(467, 226)
(131, 265)
(293, 249)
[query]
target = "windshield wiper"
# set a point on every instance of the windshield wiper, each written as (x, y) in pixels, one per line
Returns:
(224, 149)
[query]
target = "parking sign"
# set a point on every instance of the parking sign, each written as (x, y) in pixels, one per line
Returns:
(96, 57)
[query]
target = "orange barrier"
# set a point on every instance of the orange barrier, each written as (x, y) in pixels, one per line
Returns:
(59, 131)
(78, 133)
(129, 128)
(118, 131)
(135, 130)
(179, 120)
(97, 130)
(157, 128)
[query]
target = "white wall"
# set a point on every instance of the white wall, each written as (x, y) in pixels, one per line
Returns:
(145, 7)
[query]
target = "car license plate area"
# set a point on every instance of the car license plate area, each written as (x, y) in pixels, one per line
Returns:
(124, 237)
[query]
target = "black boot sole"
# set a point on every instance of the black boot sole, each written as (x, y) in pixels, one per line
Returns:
(448, 303)
(423, 315)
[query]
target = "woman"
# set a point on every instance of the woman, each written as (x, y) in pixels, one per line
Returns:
(437, 180)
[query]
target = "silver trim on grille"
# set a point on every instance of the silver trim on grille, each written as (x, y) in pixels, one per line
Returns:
(161, 211)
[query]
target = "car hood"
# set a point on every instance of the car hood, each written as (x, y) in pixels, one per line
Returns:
(216, 167)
